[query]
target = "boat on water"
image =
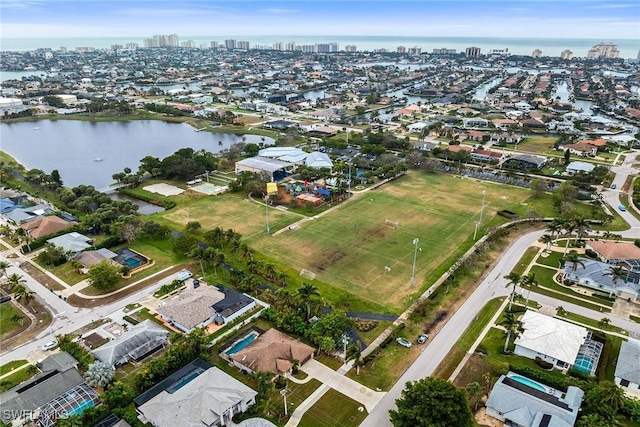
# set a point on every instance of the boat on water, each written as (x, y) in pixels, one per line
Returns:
(36, 128)
(97, 159)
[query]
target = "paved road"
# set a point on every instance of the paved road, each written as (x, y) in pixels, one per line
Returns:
(494, 285)
(612, 196)
(67, 318)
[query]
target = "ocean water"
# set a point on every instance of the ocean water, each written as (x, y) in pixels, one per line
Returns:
(629, 48)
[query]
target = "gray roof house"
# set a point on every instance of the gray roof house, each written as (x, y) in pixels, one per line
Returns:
(71, 242)
(519, 401)
(628, 366)
(200, 397)
(577, 167)
(135, 344)
(598, 275)
(21, 215)
(32, 397)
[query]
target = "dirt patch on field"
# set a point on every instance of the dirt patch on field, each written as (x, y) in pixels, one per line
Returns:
(28, 331)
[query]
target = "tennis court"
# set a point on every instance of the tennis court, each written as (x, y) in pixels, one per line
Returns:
(210, 189)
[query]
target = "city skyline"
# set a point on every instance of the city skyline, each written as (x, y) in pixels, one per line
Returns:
(543, 19)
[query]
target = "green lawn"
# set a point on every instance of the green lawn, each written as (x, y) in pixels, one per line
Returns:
(594, 323)
(7, 312)
(350, 247)
(334, 409)
(8, 367)
(64, 272)
(545, 278)
(552, 259)
(466, 340)
(16, 378)
(537, 144)
(526, 259)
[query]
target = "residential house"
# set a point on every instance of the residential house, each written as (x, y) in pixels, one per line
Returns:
(45, 225)
(525, 161)
(47, 395)
(71, 243)
(519, 401)
(21, 215)
(474, 122)
(507, 137)
(473, 135)
(503, 124)
(196, 395)
(627, 372)
(487, 155)
(272, 351)
(317, 159)
(138, 342)
(533, 124)
(617, 253)
(580, 149)
(599, 275)
(552, 340)
(89, 258)
(196, 307)
(579, 167)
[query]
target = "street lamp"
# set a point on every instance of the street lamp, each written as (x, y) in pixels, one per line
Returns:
(479, 223)
(415, 254)
(345, 341)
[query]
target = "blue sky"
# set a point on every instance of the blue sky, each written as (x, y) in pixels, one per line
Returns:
(606, 19)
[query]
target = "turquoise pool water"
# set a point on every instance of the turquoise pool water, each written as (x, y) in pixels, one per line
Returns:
(583, 364)
(242, 344)
(530, 383)
(81, 408)
(184, 380)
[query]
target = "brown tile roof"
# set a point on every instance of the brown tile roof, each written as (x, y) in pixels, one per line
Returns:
(273, 351)
(46, 225)
(458, 148)
(597, 142)
(612, 250)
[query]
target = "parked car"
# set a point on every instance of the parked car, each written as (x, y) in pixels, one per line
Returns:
(5, 298)
(423, 338)
(403, 342)
(183, 275)
(50, 345)
(613, 186)
(622, 208)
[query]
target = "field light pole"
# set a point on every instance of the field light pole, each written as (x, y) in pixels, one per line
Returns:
(415, 255)
(479, 223)
(266, 210)
(283, 392)
(349, 178)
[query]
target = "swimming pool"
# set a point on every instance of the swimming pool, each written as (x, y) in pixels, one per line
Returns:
(583, 364)
(81, 408)
(184, 380)
(528, 382)
(239, 345)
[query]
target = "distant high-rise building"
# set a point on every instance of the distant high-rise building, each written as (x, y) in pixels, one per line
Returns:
(230, 44)
(132, 46)
(537, 53)
(189, 44)
(499, 52)
(566, 54)
(307, 48)
(162, 40)
(401, 49)
(415, 50)
(638, 57)
(603, 50)
(380, 50)
(116, 46)
(214, 45)
(350, 48)
(472, 51)
(443, 51)
(291, 46)
(63, 49)
(240, 44)
(278, 46)
(326, 47)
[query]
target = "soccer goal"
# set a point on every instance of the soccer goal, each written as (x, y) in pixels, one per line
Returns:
(394, 224)
(308, 274)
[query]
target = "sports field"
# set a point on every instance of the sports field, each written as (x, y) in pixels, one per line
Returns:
(231, 211)
(355, 249)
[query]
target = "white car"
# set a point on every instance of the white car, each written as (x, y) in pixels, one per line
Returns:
(50, 345)
(403, 342)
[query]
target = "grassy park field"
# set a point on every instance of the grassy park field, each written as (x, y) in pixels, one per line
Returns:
(350, 247)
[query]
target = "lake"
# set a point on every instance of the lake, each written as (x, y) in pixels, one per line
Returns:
(90, 153)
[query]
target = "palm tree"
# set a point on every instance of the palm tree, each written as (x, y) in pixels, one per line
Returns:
(569, 226)
(514, 279)
(198, 254)
(99, 374)
(307, 292)
(476, 392)
(573, 258)
(14, 281)
(616, 272)
(23, 295)
(513, 327)
(604, 322)
(77, 265)
(529, 280)
(4, 265)
(16, 318)
(582, 228)
(547, 239)
(555, 227)
(613, 397)
(353, 353)
(560, 311)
